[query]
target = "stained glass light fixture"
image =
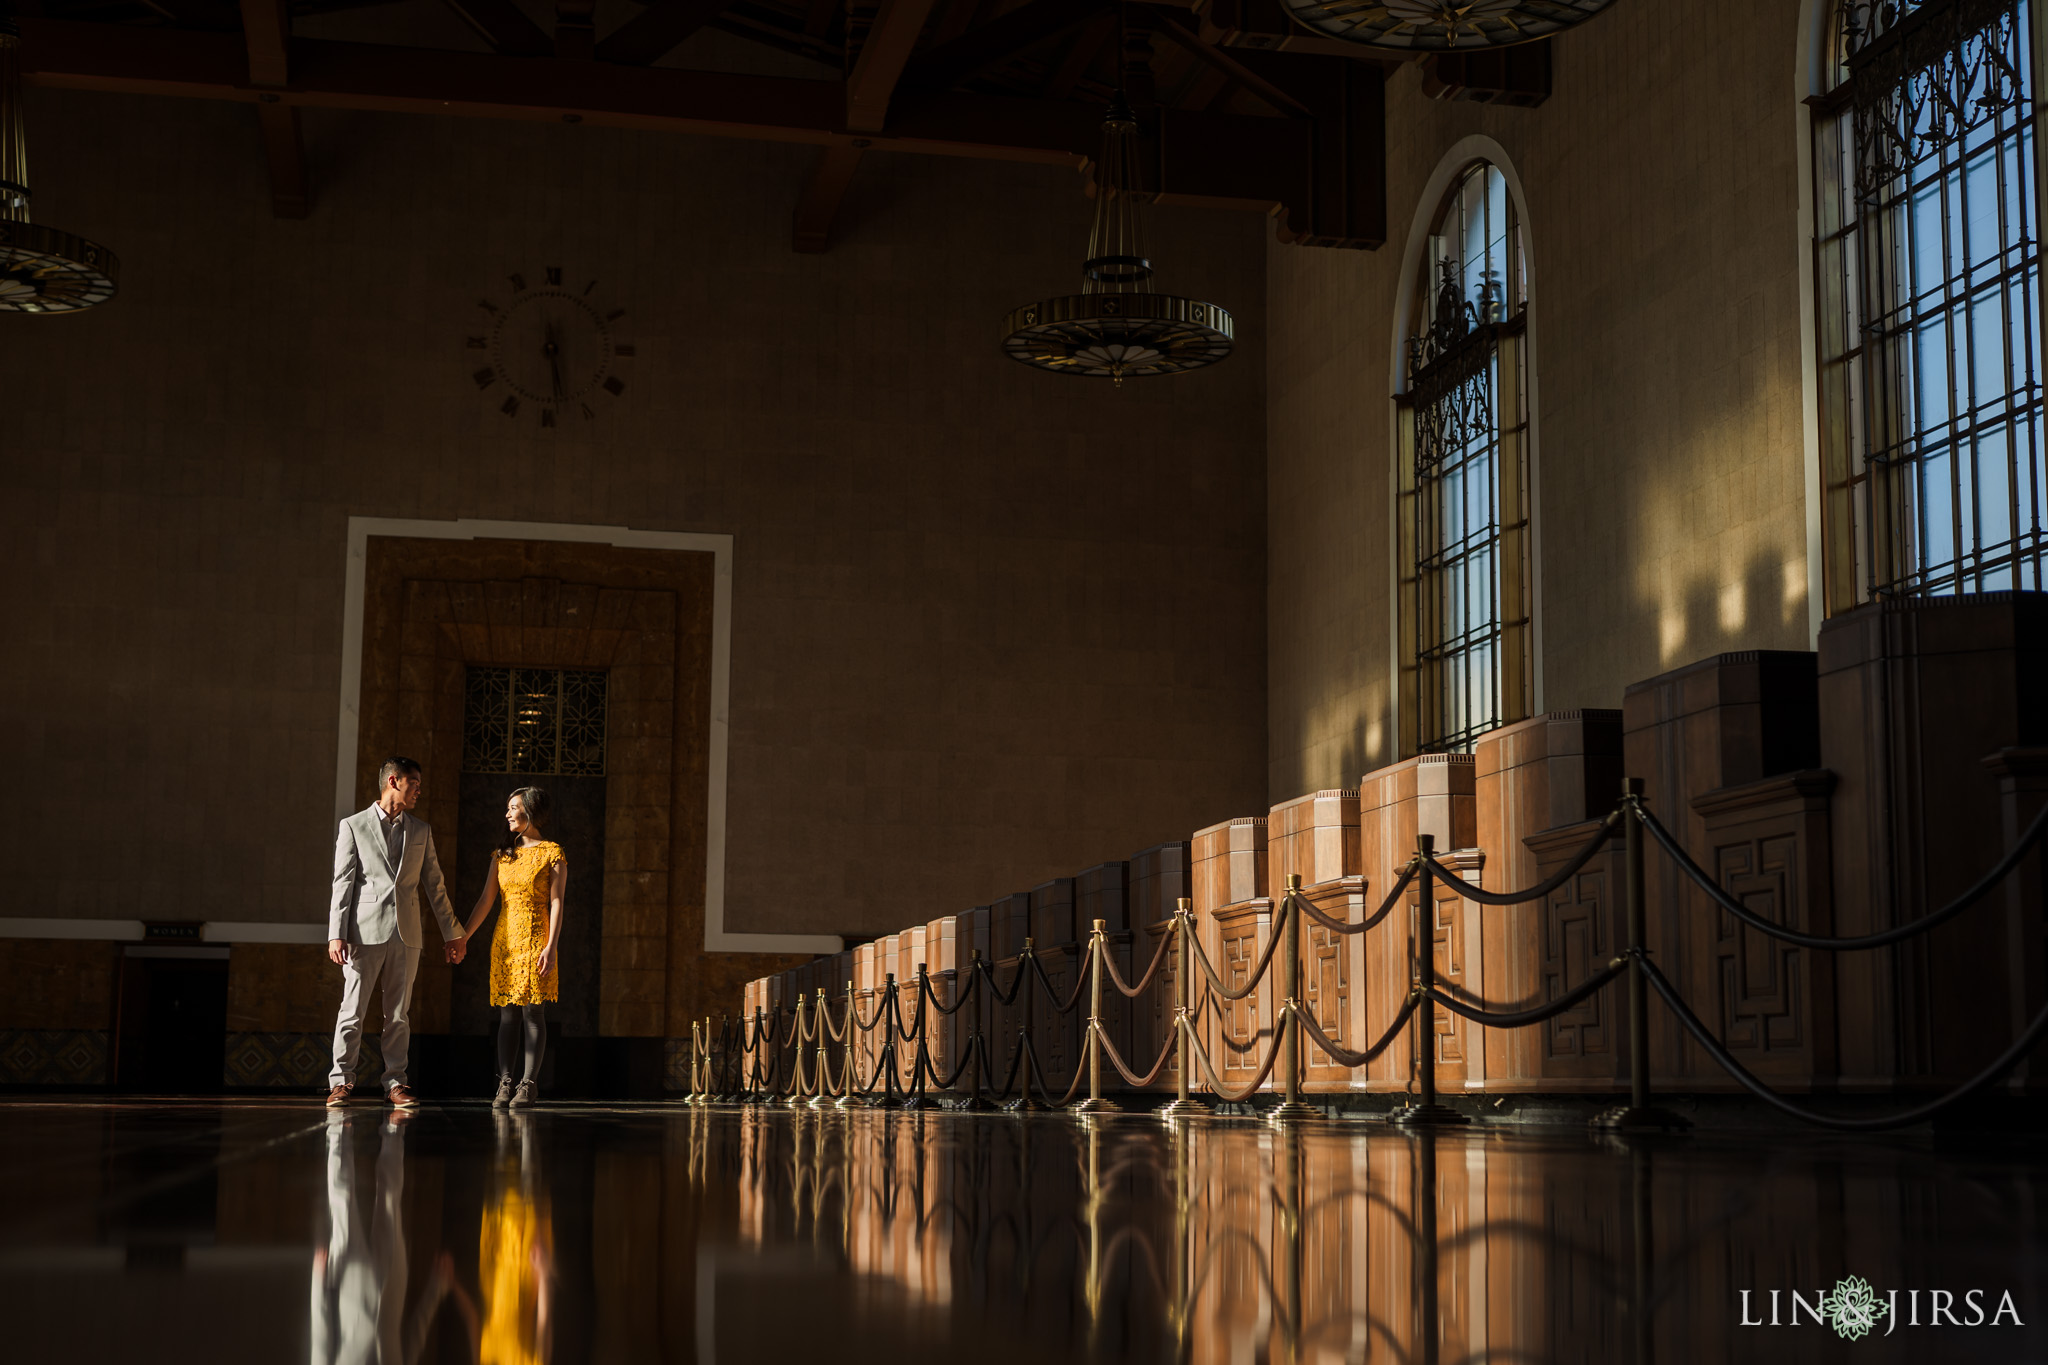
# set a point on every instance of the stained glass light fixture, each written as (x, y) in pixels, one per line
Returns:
(42, 270)
(1116, 327)
(1441, 25)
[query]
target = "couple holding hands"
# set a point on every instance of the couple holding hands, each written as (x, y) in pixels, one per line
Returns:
(384, 862)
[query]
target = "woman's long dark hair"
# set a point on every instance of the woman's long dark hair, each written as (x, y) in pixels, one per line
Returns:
(534, 802)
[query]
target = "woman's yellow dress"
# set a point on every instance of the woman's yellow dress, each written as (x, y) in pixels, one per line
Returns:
(525, 879)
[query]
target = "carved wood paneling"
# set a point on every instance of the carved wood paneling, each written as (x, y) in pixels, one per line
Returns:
(1577, 939)
(1759, 977)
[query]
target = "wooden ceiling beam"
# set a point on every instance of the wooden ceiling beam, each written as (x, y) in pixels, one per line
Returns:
(1238, 73)
(267, 40)
(1325, 173)
(657, 30)
(978, 49)
(883, 54)
(575, 29)
(504, 26)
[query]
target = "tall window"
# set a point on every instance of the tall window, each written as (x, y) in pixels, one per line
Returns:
(1464, 476)
(1927, 265)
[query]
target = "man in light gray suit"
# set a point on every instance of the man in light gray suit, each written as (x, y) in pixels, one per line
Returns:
(383, 863)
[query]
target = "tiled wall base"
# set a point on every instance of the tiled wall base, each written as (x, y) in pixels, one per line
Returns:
(33, 1056)
(294, 1060)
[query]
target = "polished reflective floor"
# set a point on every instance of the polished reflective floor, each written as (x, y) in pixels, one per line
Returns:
(230, 1231)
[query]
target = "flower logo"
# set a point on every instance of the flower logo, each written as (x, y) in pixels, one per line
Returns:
(1853, 1308)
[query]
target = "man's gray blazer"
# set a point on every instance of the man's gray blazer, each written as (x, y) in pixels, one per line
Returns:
(374, 900)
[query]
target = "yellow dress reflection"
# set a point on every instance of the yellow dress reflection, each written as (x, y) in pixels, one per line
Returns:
(516, 1263)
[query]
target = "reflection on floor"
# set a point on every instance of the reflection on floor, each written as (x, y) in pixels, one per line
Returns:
(203, 1230)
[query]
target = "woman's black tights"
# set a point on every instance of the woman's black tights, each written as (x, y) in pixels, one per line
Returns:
(534, 1017)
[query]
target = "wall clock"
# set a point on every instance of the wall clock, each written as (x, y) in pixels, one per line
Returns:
(551, 348)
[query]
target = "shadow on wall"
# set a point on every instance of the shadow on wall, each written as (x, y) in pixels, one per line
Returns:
(1762, 607)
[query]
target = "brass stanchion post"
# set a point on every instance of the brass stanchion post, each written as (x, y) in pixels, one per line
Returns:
(1183, 1014)
(914, 1096)
(1024, 1103)
(700, 1063)
(1639, 1116)
(977, 1041)
(755, 1080)
(849, 1061)
(1426, 1113)
(1095, 1104)
(1288, 1017)
(822, 1092)
(893, 1015)
(794, 1096)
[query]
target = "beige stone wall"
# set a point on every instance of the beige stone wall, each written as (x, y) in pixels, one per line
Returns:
(1663, 186)
(990, 626)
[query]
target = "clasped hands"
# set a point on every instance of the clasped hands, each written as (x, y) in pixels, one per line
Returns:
(455, 948)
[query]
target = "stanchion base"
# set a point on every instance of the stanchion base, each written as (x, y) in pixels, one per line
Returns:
(1095, 1107)
(1427, 1116)
(1626, 1119)
(973, 1104)
(1185, 1109)
(1026, 1106)
(850, 1102)
(1295, 1112)
(918, 1102)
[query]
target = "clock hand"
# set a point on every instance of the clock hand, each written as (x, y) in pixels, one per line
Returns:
(554, 354)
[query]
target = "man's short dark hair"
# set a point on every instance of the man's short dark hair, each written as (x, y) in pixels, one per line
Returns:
(393, 767)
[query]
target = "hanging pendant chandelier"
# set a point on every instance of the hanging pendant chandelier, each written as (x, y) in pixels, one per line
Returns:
(1441, 25)
(42, 270)
(1116, 327)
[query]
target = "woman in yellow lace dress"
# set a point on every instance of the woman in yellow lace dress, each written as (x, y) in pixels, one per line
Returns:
(533, 877)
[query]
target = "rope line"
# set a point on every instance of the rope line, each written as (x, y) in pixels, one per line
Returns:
(1116, 1058)
(1541, 889)
(1158, 956)
(1354, 1059)
(925, 984)
(1052, 991)
(1877, 940)
(1537, 1014)
(2000, 1064)
(1225, 1093)
(1258, 973)
(1393, 898)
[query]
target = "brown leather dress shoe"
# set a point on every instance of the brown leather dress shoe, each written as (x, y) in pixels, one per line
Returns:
(403, 1098)
(338, 1096)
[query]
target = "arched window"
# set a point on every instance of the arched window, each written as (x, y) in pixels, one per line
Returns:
(1927, 273)
(1464, 481)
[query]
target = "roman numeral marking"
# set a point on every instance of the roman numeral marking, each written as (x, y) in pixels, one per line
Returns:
(615, 386)
(554, 274)
(519, 284)
(511, 408)
(484, 377)
(624, 351)
(547, 417)
(476, 343)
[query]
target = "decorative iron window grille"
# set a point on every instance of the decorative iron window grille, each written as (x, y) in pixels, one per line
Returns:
(540, 721)
(1464, 475)
(1928, 274)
